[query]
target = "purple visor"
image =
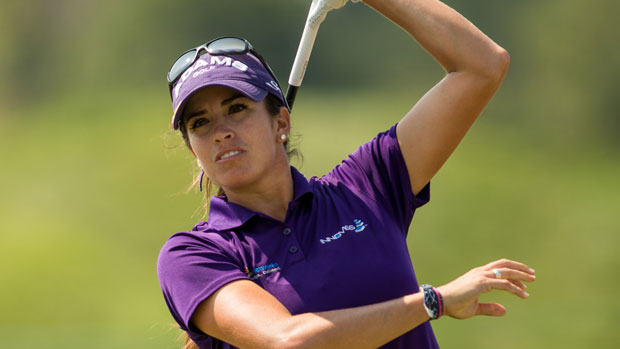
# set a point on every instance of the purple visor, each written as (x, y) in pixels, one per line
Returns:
(241, 72)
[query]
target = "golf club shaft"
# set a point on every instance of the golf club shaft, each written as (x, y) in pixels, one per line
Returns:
(316, 15)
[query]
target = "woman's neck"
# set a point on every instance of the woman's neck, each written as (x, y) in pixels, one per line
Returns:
(270, 196)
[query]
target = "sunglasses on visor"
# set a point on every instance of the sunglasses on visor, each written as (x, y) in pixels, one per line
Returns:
(216, 47)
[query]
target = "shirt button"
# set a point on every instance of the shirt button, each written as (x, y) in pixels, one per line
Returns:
(286, 231)
(293, 249)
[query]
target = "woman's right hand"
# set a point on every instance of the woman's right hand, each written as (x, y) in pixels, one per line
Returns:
(460, 296)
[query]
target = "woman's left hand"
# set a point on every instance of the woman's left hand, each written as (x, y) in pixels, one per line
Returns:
(461, 295)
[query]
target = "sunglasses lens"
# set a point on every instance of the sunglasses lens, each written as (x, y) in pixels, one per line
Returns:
(227, 45)
(184, 62)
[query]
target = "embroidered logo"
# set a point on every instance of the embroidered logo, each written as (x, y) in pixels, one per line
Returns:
(262, 270)
(273, 85)
(358, 226)
(203, 66)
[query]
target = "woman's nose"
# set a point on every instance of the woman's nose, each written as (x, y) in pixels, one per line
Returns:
(222, 131)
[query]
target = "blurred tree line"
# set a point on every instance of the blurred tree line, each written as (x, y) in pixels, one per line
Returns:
(562, 80)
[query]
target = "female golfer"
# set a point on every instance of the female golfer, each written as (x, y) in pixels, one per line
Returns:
(284, 261)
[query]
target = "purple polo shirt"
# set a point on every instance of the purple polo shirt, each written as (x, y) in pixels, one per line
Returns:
(342, 244)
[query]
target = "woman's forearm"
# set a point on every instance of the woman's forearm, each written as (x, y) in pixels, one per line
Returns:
(448, 36)
(362, 327)
(245, 315)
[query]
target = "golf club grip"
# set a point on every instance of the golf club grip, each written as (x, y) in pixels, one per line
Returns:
(303, 55)
(316, 15)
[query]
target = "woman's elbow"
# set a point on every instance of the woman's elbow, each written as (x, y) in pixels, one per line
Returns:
(297, 336)
(290, 342)
(497, 66)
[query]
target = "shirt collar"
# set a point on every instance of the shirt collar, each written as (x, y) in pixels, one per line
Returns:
(224, 215)
(301, 186)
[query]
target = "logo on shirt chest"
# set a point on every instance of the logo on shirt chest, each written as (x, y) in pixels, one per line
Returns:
(262, 270)
(358, 226)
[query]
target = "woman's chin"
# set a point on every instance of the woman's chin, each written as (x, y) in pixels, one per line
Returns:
(235, 182)
(246, 178)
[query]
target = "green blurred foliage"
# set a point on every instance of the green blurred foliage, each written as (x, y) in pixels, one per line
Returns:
(92, 182)
(562, 79)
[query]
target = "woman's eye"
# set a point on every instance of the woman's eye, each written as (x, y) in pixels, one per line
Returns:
(235, 108)
(198, 122)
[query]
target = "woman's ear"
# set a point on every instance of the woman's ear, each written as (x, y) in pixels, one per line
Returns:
(283, 124)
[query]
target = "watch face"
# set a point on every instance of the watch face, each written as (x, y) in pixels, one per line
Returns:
(432, 301)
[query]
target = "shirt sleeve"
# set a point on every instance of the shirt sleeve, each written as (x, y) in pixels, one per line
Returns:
(190, 269)
(377, 170)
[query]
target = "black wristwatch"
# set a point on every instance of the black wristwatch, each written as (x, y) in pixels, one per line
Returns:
(433, 302)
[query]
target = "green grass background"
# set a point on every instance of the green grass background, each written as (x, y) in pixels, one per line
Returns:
(92, 182)
(92, 187)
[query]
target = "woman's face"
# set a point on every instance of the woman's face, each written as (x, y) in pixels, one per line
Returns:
(235, 139)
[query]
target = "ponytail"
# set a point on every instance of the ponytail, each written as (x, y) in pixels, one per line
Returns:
(189, 343)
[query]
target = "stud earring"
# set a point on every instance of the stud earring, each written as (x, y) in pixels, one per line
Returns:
(283, 137)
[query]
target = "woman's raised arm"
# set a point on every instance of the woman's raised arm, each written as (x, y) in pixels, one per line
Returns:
(475, 67)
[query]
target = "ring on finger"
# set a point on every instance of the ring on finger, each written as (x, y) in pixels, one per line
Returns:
(498, 273)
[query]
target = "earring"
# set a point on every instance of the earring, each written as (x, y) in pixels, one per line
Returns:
(202, 174)
(283, 137)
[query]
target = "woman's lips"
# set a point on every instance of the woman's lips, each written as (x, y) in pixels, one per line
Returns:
(227, 154)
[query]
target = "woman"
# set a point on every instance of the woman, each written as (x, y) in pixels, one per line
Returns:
(284, 261)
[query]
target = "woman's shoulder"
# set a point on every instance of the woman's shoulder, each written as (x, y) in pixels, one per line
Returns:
(202, 234)
(201, 245)
(379, 152)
